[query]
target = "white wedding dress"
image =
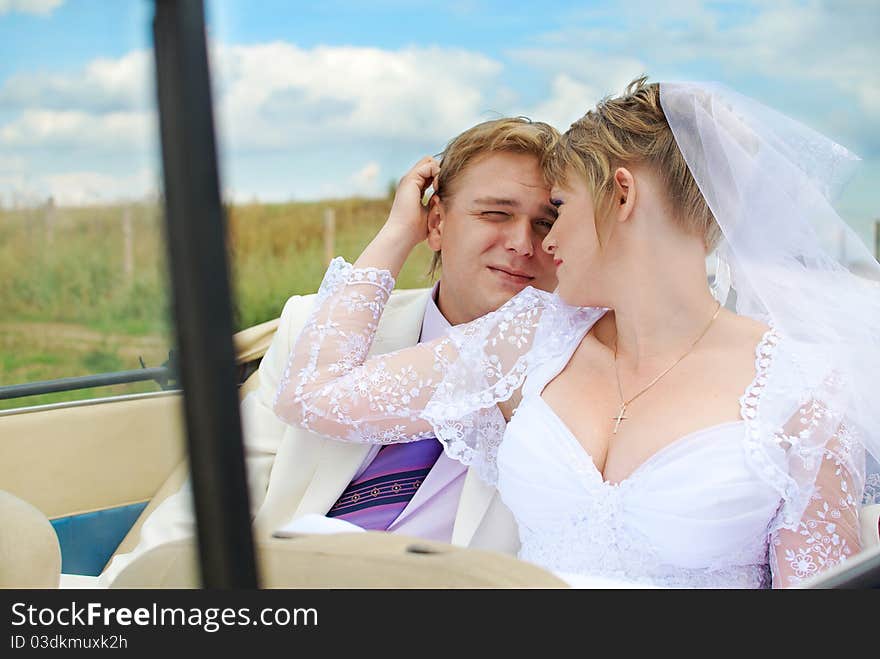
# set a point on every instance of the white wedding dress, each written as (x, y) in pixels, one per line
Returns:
(715, 508)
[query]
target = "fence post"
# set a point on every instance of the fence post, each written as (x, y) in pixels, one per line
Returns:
(49, 222)
(127, 246)
(329, 235)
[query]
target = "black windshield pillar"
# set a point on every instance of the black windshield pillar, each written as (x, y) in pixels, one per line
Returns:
(195, 234)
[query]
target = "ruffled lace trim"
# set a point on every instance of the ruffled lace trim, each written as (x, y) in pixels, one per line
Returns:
(532, 327)
(793, 449)
(341, 273)
(756, 451)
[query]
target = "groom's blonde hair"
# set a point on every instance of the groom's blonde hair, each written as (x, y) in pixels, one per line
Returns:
(506, 135)
(624, 131)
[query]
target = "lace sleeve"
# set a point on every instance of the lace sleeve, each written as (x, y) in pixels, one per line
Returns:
(799, 443)
(827, 531)
(447, 388)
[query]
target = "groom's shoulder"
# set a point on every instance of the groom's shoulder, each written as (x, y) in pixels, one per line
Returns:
(402, 301)
(398, 296)
(406, 296)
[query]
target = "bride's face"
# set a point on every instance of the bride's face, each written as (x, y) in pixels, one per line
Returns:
(574, 244)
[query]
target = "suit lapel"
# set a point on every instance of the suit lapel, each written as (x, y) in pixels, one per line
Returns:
(475, 499)
(401, 322)
(337, 466)
(338, 462)
(441, 475)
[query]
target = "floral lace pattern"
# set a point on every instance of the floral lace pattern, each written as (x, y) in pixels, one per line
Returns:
(819, 479)
(446, 388)
(827, 531)
(495, 353)
(449, 389)
(872, 489)
(333, 344)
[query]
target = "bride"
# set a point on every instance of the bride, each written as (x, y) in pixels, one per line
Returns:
(637, 429)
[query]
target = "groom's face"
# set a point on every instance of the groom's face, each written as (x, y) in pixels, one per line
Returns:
(489, 228)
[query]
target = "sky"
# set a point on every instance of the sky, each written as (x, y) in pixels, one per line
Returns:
(333, 99)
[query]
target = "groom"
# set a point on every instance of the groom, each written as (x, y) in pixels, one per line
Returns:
(485, 227)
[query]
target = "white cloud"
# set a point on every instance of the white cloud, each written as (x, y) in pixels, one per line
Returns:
(12, 164)
(269, 96)
(578, 80)
(40, 7)
(278, 95)
(366, 181)
(815, 42)
(371, 106)
(105, 85)
(569, 100)
(76, 188)
(336, 120)
(84, 187)
(104, 107)
(816, 60)
(114, 131)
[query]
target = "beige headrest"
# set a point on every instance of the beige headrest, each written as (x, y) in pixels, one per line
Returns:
(30, 556)
(347, 560)
(253, 342)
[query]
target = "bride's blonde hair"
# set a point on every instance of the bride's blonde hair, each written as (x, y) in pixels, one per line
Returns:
(629, 130)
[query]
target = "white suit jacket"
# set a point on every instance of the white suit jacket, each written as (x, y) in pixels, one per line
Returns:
(293, 472)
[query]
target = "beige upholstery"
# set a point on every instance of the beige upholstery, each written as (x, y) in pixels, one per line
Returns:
(867, 555)
(29, 553)
(84, 457)
(81, 458)
(369, 560)
(348, 560)
(869, 518)
(252, 343)
(249, 385)
(169, 487)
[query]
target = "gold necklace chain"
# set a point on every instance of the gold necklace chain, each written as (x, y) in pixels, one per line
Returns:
(623, 404)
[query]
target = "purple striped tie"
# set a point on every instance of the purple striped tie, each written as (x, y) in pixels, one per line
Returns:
(377, 497)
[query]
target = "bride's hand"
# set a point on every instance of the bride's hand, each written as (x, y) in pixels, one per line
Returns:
(409, 217)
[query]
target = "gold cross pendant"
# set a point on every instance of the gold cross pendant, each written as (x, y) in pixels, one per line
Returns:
(619, 418)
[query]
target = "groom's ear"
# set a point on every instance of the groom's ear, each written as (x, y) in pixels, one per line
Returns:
(436, 215)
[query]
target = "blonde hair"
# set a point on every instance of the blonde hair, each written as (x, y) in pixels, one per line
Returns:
(506, 135)
(624, 131)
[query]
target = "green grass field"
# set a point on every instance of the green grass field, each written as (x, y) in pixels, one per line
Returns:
(75, 300)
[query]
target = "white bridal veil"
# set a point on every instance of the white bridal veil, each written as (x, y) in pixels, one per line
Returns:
(769, 182)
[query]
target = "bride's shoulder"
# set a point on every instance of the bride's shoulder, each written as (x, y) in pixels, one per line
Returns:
(741, 332)
(738, 342)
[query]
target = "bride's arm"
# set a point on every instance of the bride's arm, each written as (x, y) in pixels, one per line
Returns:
(442, 388)
(449, 388)
(827, 532)
(324, 387)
